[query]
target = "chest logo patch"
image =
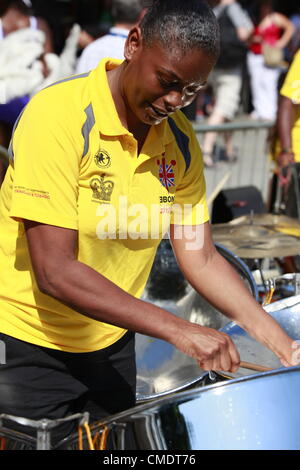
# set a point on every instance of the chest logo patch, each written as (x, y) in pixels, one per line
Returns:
(102, 159)
(166, 173)
(102, 189)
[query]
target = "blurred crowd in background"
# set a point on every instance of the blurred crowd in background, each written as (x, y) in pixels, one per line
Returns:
(44, 41)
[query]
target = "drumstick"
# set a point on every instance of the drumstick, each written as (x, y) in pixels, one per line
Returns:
(257, 367)
(218, 188)
(250, 366)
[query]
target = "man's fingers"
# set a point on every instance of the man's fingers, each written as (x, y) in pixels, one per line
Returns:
(284, 362)
(211, 348)
(226, 361)
(228, 358)
(235, 357)
(206, 365)
(225, 357)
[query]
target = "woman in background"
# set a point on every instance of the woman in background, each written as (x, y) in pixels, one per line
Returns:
(276, 30)
(16, 15)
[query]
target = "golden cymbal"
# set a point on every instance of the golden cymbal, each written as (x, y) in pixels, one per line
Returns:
(255, 241)
(266, 220)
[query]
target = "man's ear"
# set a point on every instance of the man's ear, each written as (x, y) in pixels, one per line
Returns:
(133, 43)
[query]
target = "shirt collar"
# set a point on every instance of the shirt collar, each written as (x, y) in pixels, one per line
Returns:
(158, 138)
(107, 118)
(121, 32)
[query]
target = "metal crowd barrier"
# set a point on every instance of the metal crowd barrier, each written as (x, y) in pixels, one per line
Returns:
(253, 165)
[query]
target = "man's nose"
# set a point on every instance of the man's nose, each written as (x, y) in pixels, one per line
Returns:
(174, 100)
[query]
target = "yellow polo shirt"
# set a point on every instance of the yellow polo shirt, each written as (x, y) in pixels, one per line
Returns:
(74, 165)
(291, 89)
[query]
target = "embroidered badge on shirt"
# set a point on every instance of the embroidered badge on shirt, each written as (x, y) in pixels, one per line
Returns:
(102, 159)
(102, 189)
(166, 173)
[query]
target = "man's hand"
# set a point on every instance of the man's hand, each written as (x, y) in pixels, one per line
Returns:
(212, 349)
(295, 357)
(215, 279)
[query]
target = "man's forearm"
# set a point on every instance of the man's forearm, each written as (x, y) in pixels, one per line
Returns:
(86, 291)
(218, 282)
(285, 123)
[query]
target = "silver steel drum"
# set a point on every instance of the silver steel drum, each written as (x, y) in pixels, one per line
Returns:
(287, 285)
(259, 412)
(287, 313)
(161, 368)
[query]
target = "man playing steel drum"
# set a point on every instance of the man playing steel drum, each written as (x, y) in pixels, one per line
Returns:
(102, 166)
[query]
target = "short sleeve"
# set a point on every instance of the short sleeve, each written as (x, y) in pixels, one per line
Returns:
(46, 163)
(291, 86)
(190, 206)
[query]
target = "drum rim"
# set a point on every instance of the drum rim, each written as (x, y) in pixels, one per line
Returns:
(225, 251)
(154, 396)
(285, 303)
(170, 400)
(189, 394)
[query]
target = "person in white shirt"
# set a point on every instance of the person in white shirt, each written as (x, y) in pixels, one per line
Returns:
(125, 14)
(226, 79)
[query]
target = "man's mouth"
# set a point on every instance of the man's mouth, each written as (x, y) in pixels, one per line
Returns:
(158, 112)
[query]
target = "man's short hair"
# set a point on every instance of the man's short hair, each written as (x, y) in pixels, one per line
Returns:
(126, 11)
(185, 24)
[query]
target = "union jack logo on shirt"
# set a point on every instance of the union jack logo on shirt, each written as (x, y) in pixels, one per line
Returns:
(166, 173)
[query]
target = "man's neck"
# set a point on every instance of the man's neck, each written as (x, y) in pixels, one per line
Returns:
(127, 118)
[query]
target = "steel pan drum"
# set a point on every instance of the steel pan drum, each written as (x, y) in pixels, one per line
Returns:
(259, 412)
(161, 368)
(287, 285)
(287, 313)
